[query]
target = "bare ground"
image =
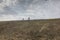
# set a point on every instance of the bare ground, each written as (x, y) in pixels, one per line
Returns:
(30, 30)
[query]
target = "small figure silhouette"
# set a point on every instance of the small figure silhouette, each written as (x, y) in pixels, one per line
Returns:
(28, 18)
(23, 19)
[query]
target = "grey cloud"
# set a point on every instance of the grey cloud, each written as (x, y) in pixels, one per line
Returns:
(1, 1)
(23, 5)
(8, 11)
(33, 8)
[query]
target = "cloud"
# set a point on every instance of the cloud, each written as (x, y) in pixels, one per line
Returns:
(36, 9)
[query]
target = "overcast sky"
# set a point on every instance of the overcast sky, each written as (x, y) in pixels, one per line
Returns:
(35, 9)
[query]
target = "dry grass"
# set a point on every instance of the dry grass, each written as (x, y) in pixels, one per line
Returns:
(30, 30)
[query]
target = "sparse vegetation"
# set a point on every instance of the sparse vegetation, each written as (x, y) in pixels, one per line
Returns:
(30, 30)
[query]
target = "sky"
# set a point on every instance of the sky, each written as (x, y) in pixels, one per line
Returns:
(35, 9)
